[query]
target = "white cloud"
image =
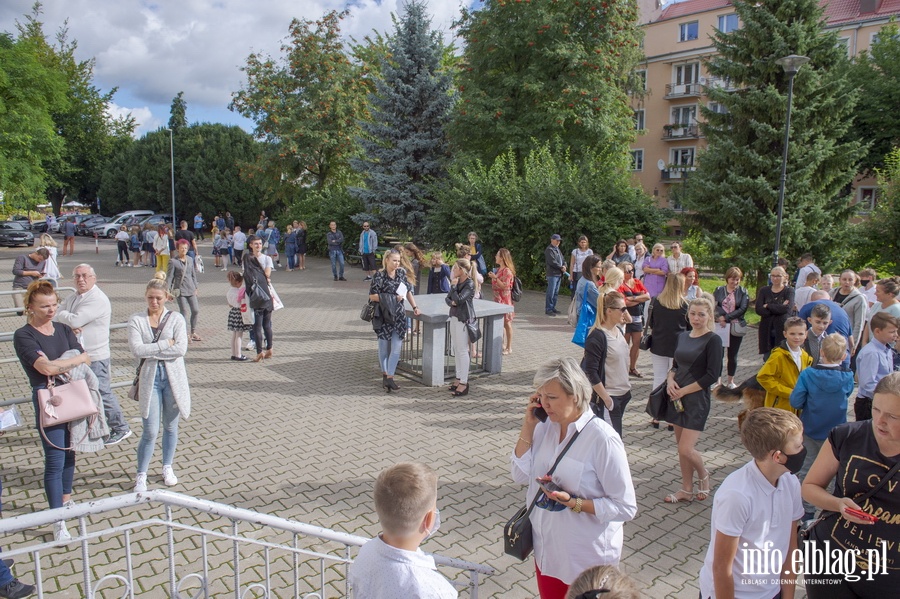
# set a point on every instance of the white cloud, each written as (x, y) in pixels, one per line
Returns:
(142, 115)
(151, 50)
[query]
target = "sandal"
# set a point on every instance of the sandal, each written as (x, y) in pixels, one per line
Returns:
(195, 337)
(634, 372)
(702, 494)
(674, 497)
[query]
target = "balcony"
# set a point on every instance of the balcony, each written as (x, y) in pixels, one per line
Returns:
(680, 131)
(720, 83)
(683, 90)
(676, 174)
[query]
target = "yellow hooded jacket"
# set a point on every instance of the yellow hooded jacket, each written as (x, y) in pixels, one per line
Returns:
(778, 376)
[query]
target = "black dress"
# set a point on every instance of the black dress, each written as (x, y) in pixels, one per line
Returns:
(697, 359)
(771, 323)
(301, 241)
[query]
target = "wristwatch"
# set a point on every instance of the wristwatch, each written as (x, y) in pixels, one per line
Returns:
(577, 508)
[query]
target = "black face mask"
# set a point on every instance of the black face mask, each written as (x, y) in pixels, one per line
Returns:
(865, 282)
(795, 462)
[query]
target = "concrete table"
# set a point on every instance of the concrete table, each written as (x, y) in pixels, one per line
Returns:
(434, 314)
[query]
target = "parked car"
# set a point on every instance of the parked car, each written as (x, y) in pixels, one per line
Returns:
(157, 220)
(13, 233)
(109, 229)
(22, 220)
(81, 228)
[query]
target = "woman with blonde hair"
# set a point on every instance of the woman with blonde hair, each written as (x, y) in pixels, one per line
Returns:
(667, 319)
(51, 270)
(604, 582)
(774, 304)
(390, 289)
(161, 248)
(502, 284)
(301, 244)
(697, 364)
(612, 280)
(605, 360)
(158, 337)
(462, 310)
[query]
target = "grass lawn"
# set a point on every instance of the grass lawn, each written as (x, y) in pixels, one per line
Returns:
(710, 285)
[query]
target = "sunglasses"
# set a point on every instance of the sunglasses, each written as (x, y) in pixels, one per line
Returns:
(622, 309)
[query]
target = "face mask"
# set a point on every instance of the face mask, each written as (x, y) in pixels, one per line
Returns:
(436, 525)
(865, 282)
(795, 462)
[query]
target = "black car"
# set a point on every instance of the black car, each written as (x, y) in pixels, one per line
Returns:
(82, 226)
(22, 220)
(14, 233)
(156, 220)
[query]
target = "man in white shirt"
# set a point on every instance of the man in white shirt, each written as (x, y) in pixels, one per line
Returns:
(88, 312)
(678, 260)
(807, 266)
(240, 244)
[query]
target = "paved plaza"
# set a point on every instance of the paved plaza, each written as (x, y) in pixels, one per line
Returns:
(304, 434)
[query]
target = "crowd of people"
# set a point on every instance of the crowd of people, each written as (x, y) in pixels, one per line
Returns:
(813, 343)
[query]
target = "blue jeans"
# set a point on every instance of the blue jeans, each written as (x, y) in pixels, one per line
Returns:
(59, 465)
(552, 293)
(291, 257)
(336, 257)
(161, 400)
(114, 417)
(389, 353)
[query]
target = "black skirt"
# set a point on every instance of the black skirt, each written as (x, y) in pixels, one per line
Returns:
(696, 411)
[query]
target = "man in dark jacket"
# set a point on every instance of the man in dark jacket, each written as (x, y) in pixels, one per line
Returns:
(555, 266)
(336, 250)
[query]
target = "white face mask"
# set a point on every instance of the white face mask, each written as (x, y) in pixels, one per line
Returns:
(436, 525)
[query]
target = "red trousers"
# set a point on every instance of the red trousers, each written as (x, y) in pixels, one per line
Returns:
(549, 587)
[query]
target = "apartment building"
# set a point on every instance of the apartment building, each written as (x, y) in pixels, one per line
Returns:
(676, 40)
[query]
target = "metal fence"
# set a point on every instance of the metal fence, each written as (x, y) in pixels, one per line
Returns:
(189, 548)
(410, 364)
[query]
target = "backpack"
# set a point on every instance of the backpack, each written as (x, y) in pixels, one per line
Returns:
(516, 292)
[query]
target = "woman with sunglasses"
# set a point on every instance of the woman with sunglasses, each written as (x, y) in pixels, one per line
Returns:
(605, 360)
(389, 288)
(636, 297)
(655, 270)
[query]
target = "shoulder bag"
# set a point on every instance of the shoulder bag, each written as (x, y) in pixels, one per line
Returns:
(647, 334)
(518, 540)
(133, 390)
(826, 517)
(368, 311)
(259, 296)
(60, 404)
(515, 293)
(739, 328)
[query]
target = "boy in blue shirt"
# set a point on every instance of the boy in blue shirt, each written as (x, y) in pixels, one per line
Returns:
(821, 394)
(874, 362)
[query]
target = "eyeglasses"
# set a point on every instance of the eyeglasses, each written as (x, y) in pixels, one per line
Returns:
(628, 270)
(84, 276)
(365, 226)
(620, 309)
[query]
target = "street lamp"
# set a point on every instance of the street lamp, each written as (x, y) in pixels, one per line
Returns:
(791, 65)
(172, 160)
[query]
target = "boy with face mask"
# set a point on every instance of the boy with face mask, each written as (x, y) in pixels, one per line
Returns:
(757, 509)
(392, 565)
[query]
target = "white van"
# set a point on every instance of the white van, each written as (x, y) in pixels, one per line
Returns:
(112, 227)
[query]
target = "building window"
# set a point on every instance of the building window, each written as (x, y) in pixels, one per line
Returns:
(683, 157)
(684, 115)
(688, 31)
(728, 23)
(865, 199)
(639, 120)
(717, 108)
(844, 44)
(637, 160)
(687, 73)
(641, 80)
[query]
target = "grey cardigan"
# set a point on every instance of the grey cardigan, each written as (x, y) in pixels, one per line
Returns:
(140, 342)
(856, 307)
(182, 275)
(87, 433)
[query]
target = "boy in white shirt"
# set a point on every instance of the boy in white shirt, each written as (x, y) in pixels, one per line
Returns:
(756, 512)
(391, 565)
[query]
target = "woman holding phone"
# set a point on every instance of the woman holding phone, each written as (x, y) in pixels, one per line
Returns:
(578, 522)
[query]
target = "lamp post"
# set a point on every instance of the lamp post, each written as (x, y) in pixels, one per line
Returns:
(172, 160)
(791, 65)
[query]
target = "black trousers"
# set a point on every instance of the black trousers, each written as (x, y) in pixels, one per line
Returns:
(862, 408)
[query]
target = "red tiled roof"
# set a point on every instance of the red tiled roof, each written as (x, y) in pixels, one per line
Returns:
(836, 11)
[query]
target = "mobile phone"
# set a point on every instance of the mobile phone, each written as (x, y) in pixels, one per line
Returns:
(548, 486)
(540, 413)
(861, 515)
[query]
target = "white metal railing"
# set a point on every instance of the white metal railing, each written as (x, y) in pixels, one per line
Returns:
(283, 558)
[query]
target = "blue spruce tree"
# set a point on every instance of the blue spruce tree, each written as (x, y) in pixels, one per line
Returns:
(406, 148)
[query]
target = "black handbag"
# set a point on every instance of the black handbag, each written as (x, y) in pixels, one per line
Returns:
(368, 311)
(809, 533)
(518, 540)
(647, 335)
(659, 399)
(259, 296)
(473, 330)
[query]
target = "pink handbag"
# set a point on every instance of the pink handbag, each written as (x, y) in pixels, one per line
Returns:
(59, 404)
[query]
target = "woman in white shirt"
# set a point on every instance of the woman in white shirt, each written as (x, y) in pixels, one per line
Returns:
(579, 526)
(161, 248)
(577, 260)
(51, 267)
(122, 240)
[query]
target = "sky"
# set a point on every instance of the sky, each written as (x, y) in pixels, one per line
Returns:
(151, 50)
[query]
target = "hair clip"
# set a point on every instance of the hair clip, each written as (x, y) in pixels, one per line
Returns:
(595, 593)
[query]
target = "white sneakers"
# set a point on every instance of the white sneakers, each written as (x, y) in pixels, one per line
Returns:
(169, 476)
(60, 532)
